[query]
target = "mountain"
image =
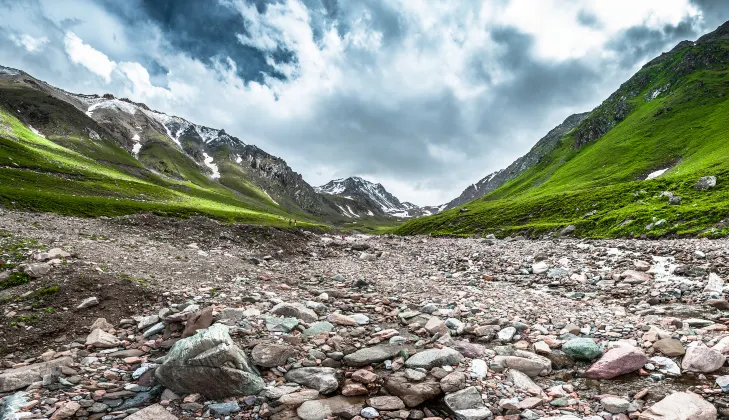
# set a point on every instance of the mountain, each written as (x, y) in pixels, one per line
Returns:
(496, 179)
(167, 164)
(613, 174)
(357, 197)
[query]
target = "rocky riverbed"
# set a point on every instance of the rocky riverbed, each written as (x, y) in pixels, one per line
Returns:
(144, 317)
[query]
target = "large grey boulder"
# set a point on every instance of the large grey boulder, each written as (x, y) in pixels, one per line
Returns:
(14, 379)
(705, 183)
(209, 363)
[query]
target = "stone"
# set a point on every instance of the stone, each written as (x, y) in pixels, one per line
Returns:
(705, 183)
(339, 406)
(617, 361)
(582, 349)
(66, 411)
(430, 358)
(615, 405)
(369, 413)
(506, 334)
(669, 347)
(435, 325)
(467, 404)
(14, 379)
(297, 398)
(635, 277)
(55, 253)
(224, 409)
(209, 363)
(323, 379)
(453, 382)
(341, 319)
(153, 412)
(680, 406)
(199, 320)
(522, 381)
(318, 328)
(369, 355)
(666, 366)
(386, 403)
(271, 355)
(37, 270)
(294, 310)
(412, 394)
(144, 322)
(472, 350)
(723, 382)
(540, 267)
(101, 324)
(276, 324)
(88, 302)
(530, 363)
(478, 369)
(101, 339)
(352, 388)
(702, 359)
(364, 376)
(233, 314)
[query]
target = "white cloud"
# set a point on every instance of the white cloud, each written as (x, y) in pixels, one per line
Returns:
(84, 54)
(31, 44)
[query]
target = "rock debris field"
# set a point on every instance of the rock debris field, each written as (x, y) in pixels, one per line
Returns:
(144, 317)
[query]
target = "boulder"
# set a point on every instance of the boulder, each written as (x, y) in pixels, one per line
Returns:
(209, 363)
(530, 363)
(369, 355)
(14, 379)
(323, 379)
(617, 361)
(467, 404)
(680, 406)
(431, 358)
(702, 359)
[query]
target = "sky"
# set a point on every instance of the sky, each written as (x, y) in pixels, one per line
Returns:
(425, 97)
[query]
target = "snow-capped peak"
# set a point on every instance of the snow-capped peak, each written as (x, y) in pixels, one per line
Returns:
(370, 195)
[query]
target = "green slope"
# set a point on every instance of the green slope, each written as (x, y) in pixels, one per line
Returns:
(594, 178)
(44, 175)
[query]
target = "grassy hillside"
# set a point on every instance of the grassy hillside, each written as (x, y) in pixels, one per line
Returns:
(672, 114)
(43, 174)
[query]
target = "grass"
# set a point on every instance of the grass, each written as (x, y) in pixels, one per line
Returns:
(600, 187)
(42, 175)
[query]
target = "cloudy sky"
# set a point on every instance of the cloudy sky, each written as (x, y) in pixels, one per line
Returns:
(423, 96)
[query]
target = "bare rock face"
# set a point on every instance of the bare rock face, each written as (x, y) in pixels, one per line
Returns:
(680, 405)
(209, 363)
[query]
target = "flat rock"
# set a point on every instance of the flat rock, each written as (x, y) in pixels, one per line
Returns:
(369, 355)
(339, 407)
(323, 379)
(530, 363)
(271, 355)
(431, 358)
(294, 310)
(680, 406)
(386, 402)
(467, 404)
(14, 379)
(153, 412)
(669, 347)
(412, 394)
(101, 339)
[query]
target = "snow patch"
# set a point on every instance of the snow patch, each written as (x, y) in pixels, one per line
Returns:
(269, 197)
(136, 148)
(9, 71)
(352, 211)
(114, 104)
(369, 212)
(209, 163)
(36, 132)
(238, 159)
(656, 174)
(136, 137)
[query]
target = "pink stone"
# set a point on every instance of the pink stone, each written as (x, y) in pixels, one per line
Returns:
(617, 361)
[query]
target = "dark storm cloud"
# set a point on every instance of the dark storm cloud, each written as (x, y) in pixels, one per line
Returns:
(715, 12)
(205, 31)
(640, 43)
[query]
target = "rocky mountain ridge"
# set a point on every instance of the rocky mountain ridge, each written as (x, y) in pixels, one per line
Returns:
(365, 198)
